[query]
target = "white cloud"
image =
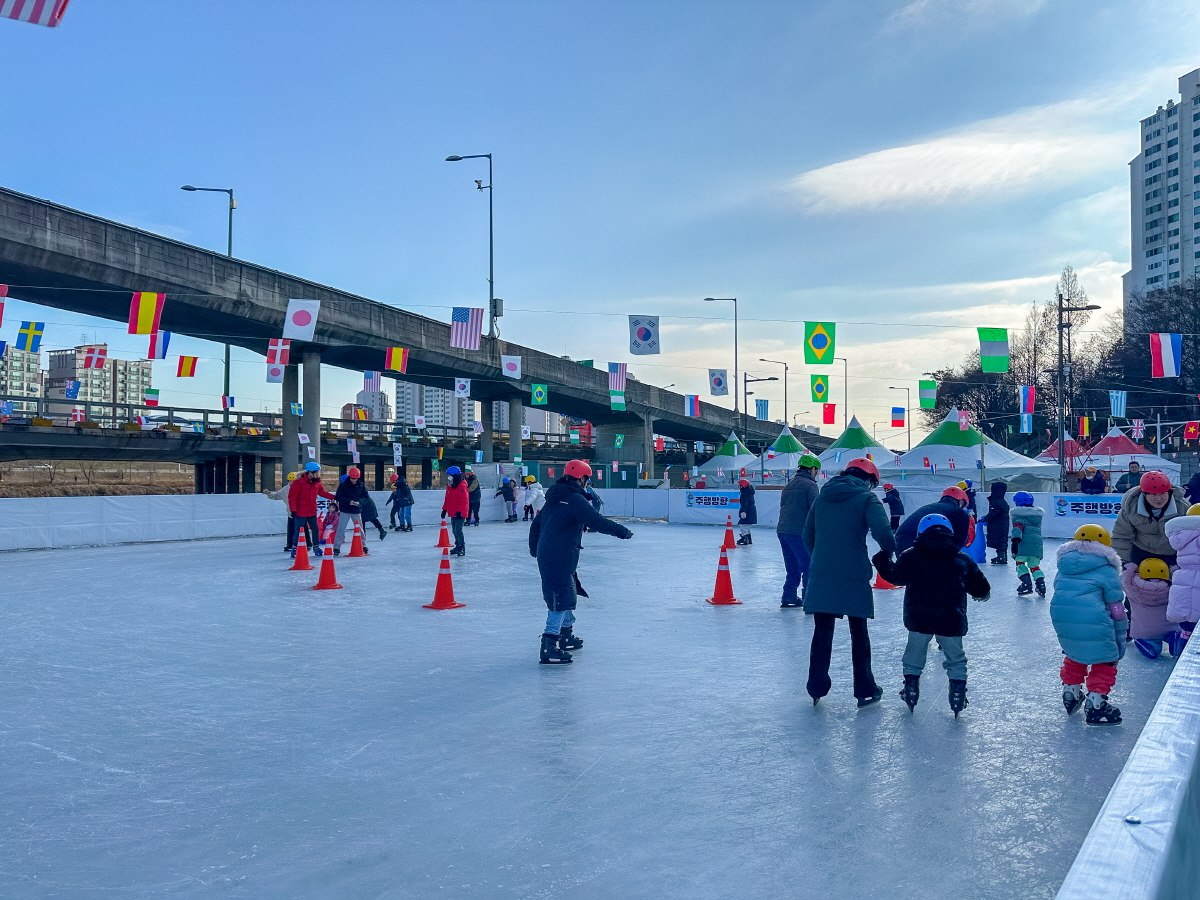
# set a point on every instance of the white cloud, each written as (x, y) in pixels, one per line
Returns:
(920, 13)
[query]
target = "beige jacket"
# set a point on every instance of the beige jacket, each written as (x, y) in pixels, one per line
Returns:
(1135, 527)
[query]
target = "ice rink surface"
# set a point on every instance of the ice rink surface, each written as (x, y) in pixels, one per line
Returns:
(191, 720)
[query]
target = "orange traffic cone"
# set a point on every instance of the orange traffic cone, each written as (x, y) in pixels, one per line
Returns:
(443, 536)
(443, 594)
(729, 543)
(883, 585)
(327, 579)
(356, 544)
(723, 592)
(301, 564)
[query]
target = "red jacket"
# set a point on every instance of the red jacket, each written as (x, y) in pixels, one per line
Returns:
(457, 502)
(302, 497)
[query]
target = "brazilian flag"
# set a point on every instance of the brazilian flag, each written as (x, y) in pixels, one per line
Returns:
(820, 388)
(818, 343)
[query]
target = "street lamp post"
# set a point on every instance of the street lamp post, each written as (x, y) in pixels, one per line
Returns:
(845, 390)
(785, 380)
(732, 300)
(1062, 326)
(747, 380)
(907, 411)
(493, 312)
(228, 252)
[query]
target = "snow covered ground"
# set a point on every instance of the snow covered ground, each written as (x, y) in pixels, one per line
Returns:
(191, 720)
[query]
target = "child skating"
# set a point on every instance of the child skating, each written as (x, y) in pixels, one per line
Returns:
(1183, 607)
(1088, 613)
(1148, 587)
(937, 577)
(1027, 548)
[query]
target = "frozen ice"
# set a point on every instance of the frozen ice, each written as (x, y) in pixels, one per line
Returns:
(192, 720)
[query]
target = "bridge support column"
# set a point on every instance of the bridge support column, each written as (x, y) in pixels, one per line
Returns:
(232, 479)
(291, 425)
(198, 470)
(632, 449)
(648, 445)
(380, 480)
(267, 481)
(248, 465)
(691, 456)
(219, 482)
(312, 401)
(426, 474)
(210, 477)
(487, 420)
(516, 421)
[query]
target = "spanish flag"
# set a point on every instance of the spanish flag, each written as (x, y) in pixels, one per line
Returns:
(144, 312)
(187, 367)
(397, 360)
(360, 413)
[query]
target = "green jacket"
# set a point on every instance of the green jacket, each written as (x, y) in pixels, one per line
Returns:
(839, 578)
(1135, 527)
(1027, 532)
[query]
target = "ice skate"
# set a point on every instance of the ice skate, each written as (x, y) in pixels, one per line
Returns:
(382, 534)
(958, 695)
(1072, 697)
(1041, 586)
(743, 540)
(911, 692)
(1001, 559)
(551, 654)
(1098, 711)
(1148, 649)
(787, 602)
(1026, 587)
(567, 639)
(1176, 641)
(872, 700)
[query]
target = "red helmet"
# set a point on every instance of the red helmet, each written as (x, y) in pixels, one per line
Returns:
(956, 492)
(577, 468)
(394, 478)
(743, 483)
(353, 472)
(1155, 483)
(865, 465)
(887, 486)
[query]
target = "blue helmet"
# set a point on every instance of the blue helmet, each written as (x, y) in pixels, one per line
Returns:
(454, 470)
(970, 483)
(934, 521)
(1023, 498)
(312, 467)
(342, 478)
(507, 481)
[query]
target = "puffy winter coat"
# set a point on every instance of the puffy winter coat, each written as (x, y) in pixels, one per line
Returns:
(795, 500)
(537, 496)
(997, 517)
(400, 496)
(281, 494)
(1135, 526)
(456, 501)
(369, 510)
(894, 504)
(1192, 489)
(1184, 534)
(1097, 484)
(937, 577)
(554, 540)
(839, 578)
(1088, 580)
(1147, 605)
(960, 521)
(747, 510)
(350, 496)
(302, 498)
(474, 491)
(506, 491)
(1127, 481)
(1027, 531)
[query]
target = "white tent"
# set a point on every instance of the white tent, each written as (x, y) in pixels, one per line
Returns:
(854, 442)
(731, 458)
(951, 454)
(784, 454)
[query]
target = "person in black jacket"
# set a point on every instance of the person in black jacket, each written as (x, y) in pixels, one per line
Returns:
(747, 511)
(997, 523)
(401, 502)
(937, 576)
(1191, 490)
(474, 495)
(1093, 481)
(350, 495)
(952, 504)
(370, 516)
(795, 501)
(508, 492)
(554, 541)
(895, 505)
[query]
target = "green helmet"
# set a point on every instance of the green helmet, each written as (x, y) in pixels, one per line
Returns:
(808, 461)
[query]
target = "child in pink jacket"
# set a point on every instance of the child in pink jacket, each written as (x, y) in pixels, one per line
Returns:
(1183, 607)
(1147, 586)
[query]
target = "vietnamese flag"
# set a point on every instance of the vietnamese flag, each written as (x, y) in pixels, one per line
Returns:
(1191, 431)
(145, 311)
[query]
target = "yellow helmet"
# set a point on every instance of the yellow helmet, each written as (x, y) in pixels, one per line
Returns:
(529, 479)
(963, 485)
(291, 476)
(1194, 509)
(1154, 568)
(1093, 533)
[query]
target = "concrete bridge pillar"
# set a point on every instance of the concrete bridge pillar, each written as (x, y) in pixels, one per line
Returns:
(210, 477)
(633, 443)
(648, 445)
(291, 425)
(380, 480)
(198, 470)
(487, 420)
(516, 421)
(267, 479)
(220, 485)
(248, 465)
(311, 423)
(690, 455)
(233, 465)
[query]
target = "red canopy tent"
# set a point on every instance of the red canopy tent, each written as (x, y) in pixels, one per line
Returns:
(1117, 443)
(1073, 454)
(1117, 450)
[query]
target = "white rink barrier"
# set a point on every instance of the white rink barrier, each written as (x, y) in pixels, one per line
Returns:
(639, 503)
(41, 523)
(1145, 842)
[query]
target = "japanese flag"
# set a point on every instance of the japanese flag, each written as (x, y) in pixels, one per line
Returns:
(300, 324)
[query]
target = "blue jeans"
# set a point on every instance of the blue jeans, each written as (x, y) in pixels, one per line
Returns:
(796, 560)
(556, 621)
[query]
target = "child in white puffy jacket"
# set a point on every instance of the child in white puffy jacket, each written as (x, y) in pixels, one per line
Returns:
(1183, 607)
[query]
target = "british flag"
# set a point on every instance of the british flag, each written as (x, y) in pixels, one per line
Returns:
(616, 376)
(278, 351)
(466, 324)
(1139, 429)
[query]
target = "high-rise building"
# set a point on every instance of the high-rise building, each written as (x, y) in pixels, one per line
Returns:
(118, 381)
(1165, 220)
(21, 376)
(377, 405)
(437, 405)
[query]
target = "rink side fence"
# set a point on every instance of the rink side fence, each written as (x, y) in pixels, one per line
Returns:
(1145, 842)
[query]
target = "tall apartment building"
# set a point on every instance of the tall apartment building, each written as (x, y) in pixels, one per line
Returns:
(119, 381)
(21, 376)
(1164, 182)
(377, 405)
(438, 406)
(540, 421)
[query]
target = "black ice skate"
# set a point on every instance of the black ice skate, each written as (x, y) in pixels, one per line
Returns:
(1098, 711)
(958, 695)
(1041, 587)
(1001, 559)
(872, 700)
(1026, 587)
(911, 692)
(567, 639)
(1072, 697)
(743, 540)
(550, 654)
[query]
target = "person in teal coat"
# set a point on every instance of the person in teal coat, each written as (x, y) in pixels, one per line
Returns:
(1088, 612)
(839, 577)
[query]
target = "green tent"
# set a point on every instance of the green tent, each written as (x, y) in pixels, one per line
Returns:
(731, 458)
(786, 453)
(854, 442)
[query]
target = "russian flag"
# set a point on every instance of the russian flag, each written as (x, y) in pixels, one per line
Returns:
(1165, 351)
(1027, 393)
(691, 405)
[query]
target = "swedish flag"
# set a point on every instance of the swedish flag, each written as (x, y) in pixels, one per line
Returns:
(29, 338)
(818, 343)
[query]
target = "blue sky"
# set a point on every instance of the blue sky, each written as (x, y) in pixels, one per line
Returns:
(914, 164)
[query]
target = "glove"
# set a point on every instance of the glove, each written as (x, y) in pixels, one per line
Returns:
(985, 598)
(1016, 542)
(881, 559)
(443, 514)
(626, 536)
(1116, 612)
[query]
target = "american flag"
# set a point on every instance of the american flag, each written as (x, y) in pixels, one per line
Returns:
(278, 351)
(1139, 429)
(372, 382)
(466, 325)
(616, 376)
(36, 12)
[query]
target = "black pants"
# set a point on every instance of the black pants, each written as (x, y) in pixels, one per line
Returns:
(291, 531)
(374, 522)
(895, 523)
(456, 525)
(309, 524)
(473, 512)
(822, 650)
